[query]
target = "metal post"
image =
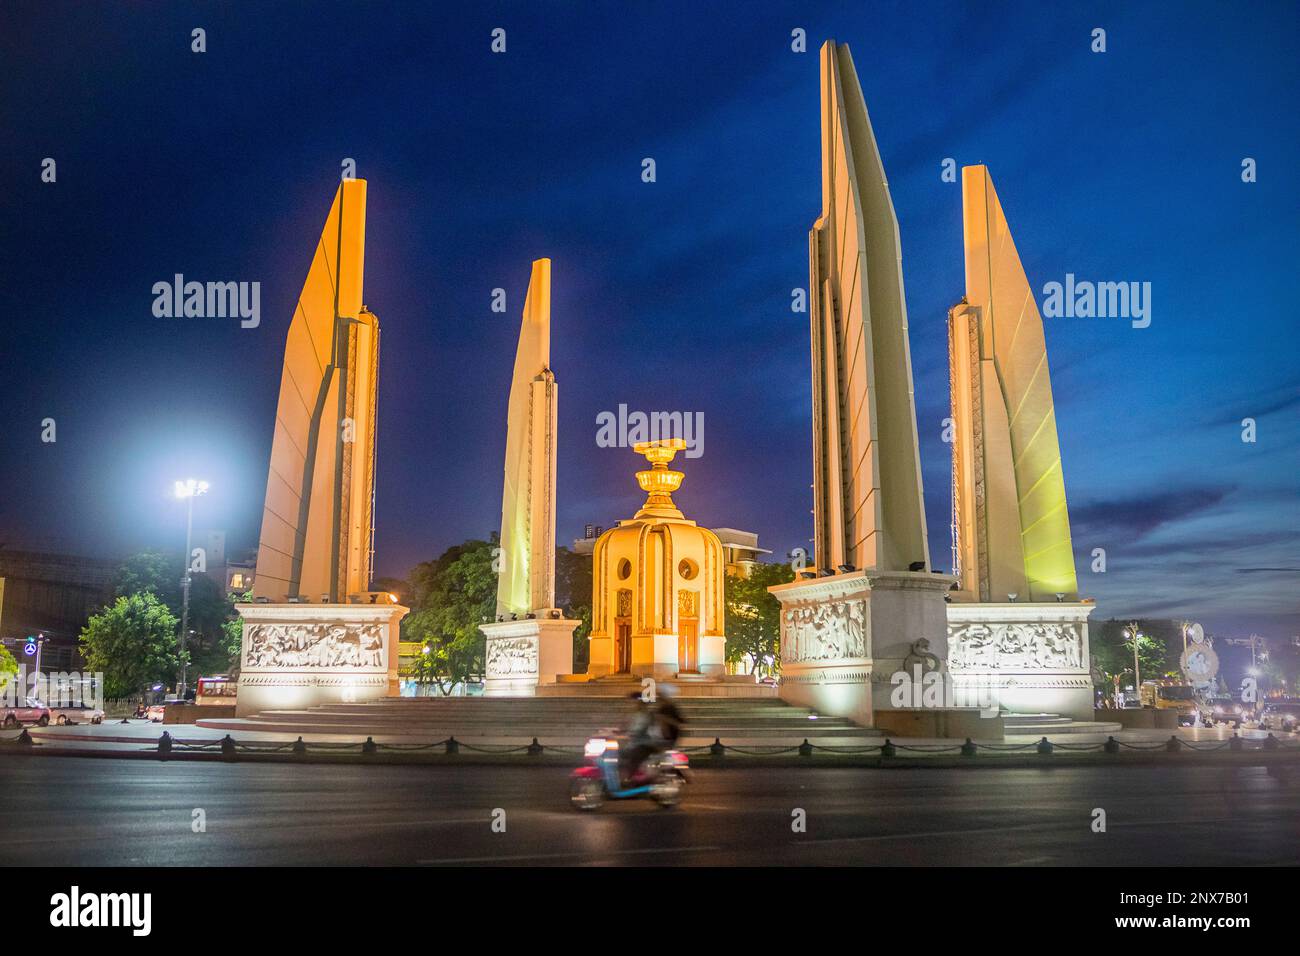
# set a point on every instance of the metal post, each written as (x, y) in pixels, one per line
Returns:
(185, 593)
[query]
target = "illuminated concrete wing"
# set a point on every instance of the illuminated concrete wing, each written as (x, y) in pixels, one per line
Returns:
(1011, 526)
(527, 576)
(867, 474)
(317, 525)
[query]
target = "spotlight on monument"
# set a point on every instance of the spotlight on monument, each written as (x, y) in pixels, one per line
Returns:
(845, 568)
(916, 566)
(1060, 596)
(1011, 596)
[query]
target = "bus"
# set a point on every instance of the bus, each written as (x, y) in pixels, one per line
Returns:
(218, 689)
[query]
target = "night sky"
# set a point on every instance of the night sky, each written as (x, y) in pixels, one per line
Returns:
(673, 296)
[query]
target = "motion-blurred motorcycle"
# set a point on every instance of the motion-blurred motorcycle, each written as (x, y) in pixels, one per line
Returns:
(661, 777)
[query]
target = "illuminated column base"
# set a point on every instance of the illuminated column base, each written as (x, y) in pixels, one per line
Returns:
(844, 636)
(1029, 658)
(299, 655)
(522, 654)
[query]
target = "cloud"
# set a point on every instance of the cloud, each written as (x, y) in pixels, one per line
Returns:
(1136, 517)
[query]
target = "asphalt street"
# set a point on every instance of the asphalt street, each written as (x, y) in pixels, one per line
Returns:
(77, 811)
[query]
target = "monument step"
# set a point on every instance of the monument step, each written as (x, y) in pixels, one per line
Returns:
(1042, 724)
(758, 719)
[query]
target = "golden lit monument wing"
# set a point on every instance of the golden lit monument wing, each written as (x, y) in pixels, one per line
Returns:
(527, 577)
(1012, 529)
(315, 634)
(862, 614)
(529, 644)
(317, 521)
(867, 474)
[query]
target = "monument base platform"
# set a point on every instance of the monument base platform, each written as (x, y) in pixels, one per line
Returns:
(304, 655)
(735, 686)
(950, 722)
(1022, 658)
(520, 655)
(844, 636)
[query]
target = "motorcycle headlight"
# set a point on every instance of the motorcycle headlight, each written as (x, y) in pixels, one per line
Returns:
(595, 747)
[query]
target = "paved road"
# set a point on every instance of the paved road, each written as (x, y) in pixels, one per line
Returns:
(70, 811)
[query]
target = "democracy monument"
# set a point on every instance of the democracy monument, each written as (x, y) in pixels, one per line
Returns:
(1006, 632)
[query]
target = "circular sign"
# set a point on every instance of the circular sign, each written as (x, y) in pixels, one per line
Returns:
(30, 648)
(1200, 664)
(1196, 633)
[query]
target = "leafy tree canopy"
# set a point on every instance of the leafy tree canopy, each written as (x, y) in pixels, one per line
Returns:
(754, 615)
(133, 642)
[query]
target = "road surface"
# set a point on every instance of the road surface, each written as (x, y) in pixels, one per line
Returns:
(78, 811)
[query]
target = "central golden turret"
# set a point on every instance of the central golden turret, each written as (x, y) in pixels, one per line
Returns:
(657, 585)
(659, 482)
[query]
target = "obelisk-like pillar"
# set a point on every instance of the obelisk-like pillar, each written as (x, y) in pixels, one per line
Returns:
(1017, 630)
(316, 633)
(529, 643)
(871, 608)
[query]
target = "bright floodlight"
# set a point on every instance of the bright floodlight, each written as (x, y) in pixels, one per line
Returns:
(191, 488)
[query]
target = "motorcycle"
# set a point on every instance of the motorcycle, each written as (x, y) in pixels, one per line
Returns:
(660, 778)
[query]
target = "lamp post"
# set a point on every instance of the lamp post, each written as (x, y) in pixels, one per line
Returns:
(1132, 633)
(188, 490)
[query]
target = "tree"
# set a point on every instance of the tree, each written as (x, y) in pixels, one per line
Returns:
(450, 597)
(573, 595)
(211, 609)
(8, 667)
(754, 616)
(1112, 651)
(133, 642)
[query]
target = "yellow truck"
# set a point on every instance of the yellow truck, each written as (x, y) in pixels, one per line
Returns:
(1170, 695)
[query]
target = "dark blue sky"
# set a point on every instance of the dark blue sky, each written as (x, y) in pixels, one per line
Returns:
(667, 296)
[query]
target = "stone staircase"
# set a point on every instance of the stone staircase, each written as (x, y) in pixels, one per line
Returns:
(1040, 725)
(552, 720)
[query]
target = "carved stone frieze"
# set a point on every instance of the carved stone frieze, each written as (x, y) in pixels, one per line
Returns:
(299, 645)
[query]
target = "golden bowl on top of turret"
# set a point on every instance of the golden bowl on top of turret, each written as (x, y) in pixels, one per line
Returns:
(661, 451)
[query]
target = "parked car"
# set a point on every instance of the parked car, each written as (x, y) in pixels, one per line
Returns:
(1281, 715)
(1225, 710)
(30, 712)
(77, 715)
(154, 712)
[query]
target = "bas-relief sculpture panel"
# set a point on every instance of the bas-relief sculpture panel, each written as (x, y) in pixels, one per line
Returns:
(834, 630)
(302, 645)
(1020, 646)
(510, 656)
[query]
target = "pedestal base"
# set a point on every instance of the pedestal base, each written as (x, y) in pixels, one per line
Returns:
(299, 655)
(844, 636)
(522, 654)
(1022, 658)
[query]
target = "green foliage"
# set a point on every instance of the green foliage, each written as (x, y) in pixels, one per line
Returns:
(450, 597)
(133, 642)
(1112, 651)
(573, 595)
(8, 667)
(754, 616)
(212, 611)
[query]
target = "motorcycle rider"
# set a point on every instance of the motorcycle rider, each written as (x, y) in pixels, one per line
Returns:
(639, 734)
(668, 719)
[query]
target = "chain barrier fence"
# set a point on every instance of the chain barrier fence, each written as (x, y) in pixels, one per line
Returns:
(230, 748)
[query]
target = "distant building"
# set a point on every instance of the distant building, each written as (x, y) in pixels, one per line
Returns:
(53, 595)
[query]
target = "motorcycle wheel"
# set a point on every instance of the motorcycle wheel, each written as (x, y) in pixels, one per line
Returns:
(667, 791)
(586, 793)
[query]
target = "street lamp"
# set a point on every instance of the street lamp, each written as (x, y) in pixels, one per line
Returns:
(1132, 633)
(189, 489)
